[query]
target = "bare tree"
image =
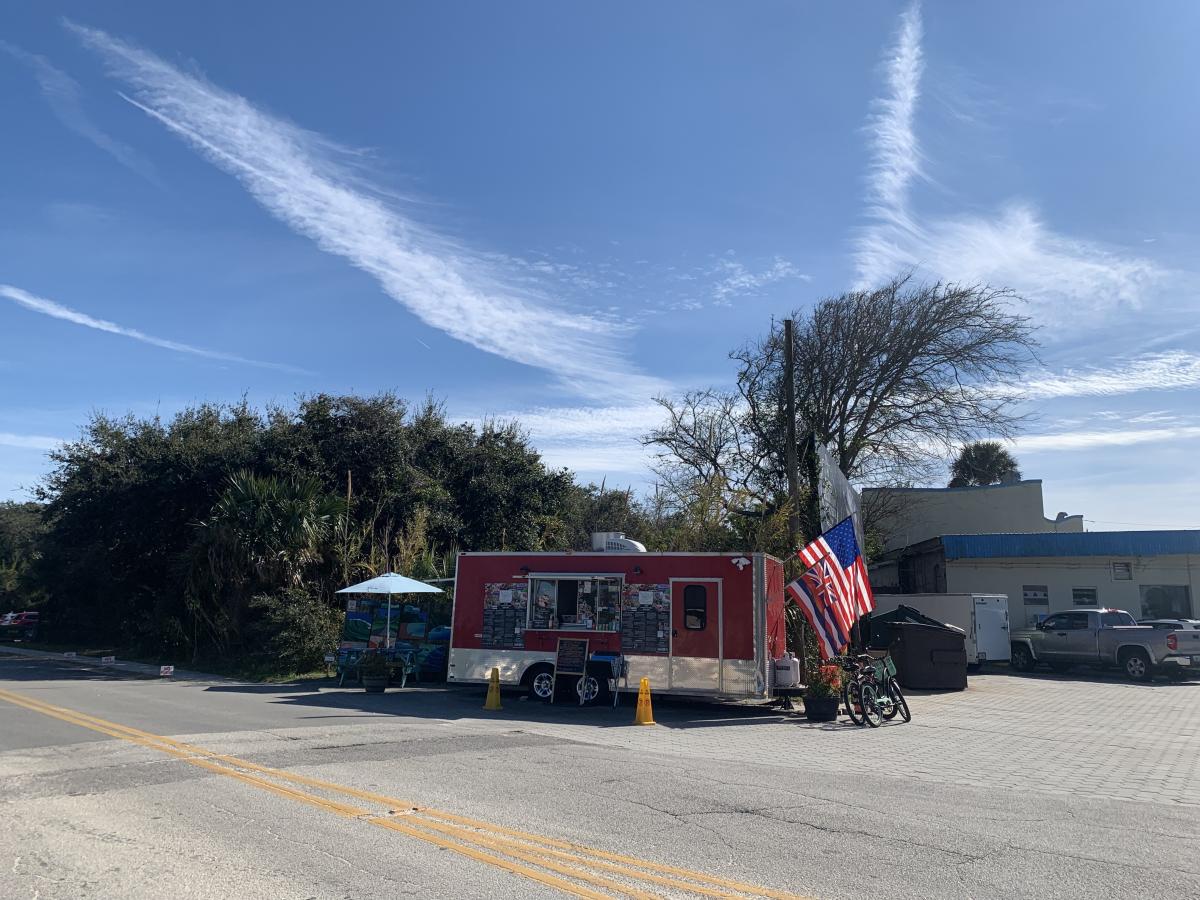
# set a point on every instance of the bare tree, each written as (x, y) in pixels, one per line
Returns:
(889, 379)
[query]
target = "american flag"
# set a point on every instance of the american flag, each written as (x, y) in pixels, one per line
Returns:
(834, 591)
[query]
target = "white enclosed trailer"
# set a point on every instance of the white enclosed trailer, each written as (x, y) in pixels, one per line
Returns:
(984, 618)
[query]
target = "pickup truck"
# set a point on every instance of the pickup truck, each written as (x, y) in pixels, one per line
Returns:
(1106, 637)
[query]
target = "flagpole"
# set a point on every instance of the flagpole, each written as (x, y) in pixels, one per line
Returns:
(793, 473)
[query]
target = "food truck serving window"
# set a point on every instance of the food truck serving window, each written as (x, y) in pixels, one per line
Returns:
(584, 602)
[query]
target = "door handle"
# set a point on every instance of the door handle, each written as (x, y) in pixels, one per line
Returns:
(1060, 634)
(674, 632)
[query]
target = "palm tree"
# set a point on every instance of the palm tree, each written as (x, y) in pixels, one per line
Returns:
(263, 534)
(983, 462)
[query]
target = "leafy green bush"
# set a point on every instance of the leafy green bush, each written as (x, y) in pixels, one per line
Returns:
(295, 627)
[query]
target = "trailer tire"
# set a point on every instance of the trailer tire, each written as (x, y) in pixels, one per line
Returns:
(588, 689)
(1135, 663)
(539, 682)
(1021, 660)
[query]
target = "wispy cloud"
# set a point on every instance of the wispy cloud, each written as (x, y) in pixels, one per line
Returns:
(65, 98)
(1059, 274)
(897, 160)
(58, 311)
(305, 181)
(735, 279)
(594, 440)
(1176, 369)
(1090, 440)
(29, 441)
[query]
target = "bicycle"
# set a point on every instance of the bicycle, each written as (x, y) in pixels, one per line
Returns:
(870, 691)
(852, 687)
(886, 699)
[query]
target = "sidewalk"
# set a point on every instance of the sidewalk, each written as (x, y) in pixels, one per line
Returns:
(145, 670)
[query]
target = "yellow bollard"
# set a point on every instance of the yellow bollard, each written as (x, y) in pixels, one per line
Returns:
(644, 714)
(493, 697)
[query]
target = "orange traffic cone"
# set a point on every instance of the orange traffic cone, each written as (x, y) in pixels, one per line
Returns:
(493, 697)
(644, 714)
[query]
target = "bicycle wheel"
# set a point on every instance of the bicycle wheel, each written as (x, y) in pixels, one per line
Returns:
(898, 700)
(870, 706)
(852, 700)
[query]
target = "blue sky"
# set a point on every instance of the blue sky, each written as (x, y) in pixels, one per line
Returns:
(556, 211)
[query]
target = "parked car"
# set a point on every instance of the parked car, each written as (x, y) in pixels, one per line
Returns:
(1106, 637)
(19, 625)
(1172, 624)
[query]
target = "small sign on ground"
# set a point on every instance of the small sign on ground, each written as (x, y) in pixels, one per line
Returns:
(166, 671)
(107, 660)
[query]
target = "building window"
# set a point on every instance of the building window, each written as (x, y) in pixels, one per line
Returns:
(1037, 603)
(1166, 601)
(1036, 594)
(584, 602)
(1085, 596)
(1122, 571)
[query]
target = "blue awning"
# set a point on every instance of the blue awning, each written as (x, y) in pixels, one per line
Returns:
(1087, 543)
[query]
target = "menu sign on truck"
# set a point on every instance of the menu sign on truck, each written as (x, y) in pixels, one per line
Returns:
(646, 619)
(504, 611)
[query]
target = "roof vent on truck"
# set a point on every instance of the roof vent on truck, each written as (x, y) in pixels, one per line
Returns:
(615, 542)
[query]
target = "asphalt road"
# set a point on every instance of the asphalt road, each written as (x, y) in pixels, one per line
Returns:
(114, 786)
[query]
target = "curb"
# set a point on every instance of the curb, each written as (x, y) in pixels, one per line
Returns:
(134, 668)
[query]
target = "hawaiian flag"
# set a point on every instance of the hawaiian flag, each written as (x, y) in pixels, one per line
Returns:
(834, 591)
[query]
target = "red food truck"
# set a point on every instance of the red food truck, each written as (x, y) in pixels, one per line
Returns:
(693, 623)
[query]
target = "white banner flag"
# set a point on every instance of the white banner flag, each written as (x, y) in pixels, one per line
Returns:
(839, 499)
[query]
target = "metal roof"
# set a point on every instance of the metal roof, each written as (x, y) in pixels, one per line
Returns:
(1087, 543)
(946, 490)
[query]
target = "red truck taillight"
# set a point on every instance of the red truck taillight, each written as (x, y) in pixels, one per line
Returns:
(1172, 642)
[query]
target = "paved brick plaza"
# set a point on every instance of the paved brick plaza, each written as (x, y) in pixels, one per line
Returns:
(1084, 732)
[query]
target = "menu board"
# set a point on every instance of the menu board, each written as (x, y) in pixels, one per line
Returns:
(504, 612)
(646, 618)
(572, 655)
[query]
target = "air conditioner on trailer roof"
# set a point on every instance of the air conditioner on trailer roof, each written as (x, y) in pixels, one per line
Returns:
(615, 542)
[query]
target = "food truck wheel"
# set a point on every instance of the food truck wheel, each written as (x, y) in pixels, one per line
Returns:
(540, 680)
(587, 688)
(594, 688)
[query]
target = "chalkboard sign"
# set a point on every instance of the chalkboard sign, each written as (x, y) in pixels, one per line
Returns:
(572, 656)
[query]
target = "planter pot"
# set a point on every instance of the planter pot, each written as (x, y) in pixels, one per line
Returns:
(821, 709)
(374, 684)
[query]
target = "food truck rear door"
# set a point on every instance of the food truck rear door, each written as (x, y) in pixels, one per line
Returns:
(696, 612)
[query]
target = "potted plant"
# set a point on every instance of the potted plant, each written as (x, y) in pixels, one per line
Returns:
(822, 694)
(373, 668)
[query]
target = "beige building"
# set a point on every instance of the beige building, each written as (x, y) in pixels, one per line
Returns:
(1151, 574)
(908, 516)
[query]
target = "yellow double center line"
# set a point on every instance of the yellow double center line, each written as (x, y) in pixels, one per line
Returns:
(562, 865)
